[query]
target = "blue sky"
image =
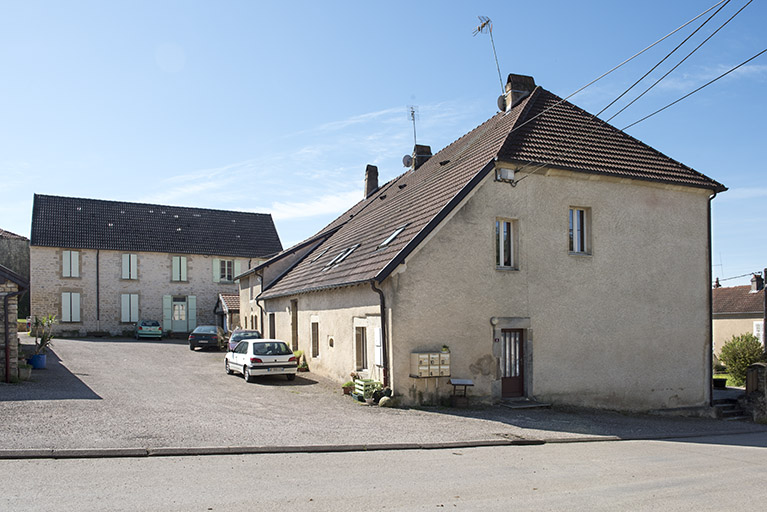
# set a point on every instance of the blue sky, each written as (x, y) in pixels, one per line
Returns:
(277, 107)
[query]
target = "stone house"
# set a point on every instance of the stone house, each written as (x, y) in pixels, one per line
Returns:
(12, 285)
(738, 310)
(101, 266)
(543, 255)
(14, 254)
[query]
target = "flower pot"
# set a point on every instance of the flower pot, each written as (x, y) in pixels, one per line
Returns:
(348, 390)
(37, 361)
(25, 372)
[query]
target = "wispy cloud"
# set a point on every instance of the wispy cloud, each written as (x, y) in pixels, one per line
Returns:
(324, 205)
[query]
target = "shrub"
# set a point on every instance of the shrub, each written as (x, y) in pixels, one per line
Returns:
(739, 353)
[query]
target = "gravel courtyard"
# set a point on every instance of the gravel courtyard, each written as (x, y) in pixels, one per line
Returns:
(109, 393)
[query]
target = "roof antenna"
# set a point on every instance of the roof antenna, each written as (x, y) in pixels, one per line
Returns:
(486, 26)
(412, 114)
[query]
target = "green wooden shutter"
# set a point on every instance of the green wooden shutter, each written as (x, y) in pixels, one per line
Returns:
(66, 263)
(167, 307)
(125, 305)
(126, 267)
(191, 304)
(216, 270)
(66, 307)
(75, 307)
(237, 268)
(183, 268)
(175, 273)
(134, 307)
(134, 266)
(75, 267)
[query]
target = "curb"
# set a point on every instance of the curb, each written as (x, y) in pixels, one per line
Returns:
(112, 453)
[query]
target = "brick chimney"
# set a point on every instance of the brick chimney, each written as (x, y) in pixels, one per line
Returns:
(757, 283)
(371, 180)
(517, 87)
(420, 155)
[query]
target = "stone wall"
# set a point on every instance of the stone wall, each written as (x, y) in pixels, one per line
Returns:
(8, 286)
(755, 399)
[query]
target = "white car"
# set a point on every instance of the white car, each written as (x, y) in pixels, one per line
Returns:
(254, 357)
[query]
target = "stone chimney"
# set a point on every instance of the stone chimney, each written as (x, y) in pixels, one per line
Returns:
(371, 180)
(757, 283)
(517, 87)
(420, 155)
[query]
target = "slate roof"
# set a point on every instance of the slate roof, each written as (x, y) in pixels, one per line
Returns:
(738, 299)
(421, 199)
(78, 223)
(11, 236)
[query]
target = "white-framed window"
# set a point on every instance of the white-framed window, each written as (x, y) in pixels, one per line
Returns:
(130, 266)
(391, 237)
(759, 330)
(178, 269)
(361, 348)
(70, 307)
(226, 270)
(341, 256)
(70, 263)
(580, 230)
(129, 307)
(315, 338)
(506, 244)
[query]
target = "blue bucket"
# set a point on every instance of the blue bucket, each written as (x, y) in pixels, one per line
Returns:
(37, 361)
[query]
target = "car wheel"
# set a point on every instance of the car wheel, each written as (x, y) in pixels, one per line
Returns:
(291, 376)
(246, 374)
(226, 366)
(191, 346)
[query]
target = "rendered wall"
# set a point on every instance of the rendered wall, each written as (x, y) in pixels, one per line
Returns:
(337, 312)
(726, 328)
(625, 327)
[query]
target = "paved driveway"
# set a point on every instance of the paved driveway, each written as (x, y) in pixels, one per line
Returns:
(106, 393)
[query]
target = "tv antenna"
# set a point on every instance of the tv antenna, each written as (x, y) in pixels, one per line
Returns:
(412, 114)
(486, 26)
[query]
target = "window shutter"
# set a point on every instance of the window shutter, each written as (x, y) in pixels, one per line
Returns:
(175, 274)
(125, 306)
(167, 301)
(191, 304)
(183, 268)
(378, 346)
(75, 307)
(66, 307)
(237, 268)
(216, 270)
(75, 267)
(66, 263)
(134, 307)
(126, 267)
(134, 266)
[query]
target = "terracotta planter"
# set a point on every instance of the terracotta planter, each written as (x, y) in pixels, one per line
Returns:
(348, 390)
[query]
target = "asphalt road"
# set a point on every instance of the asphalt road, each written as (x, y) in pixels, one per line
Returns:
(706, 473)
(107, 394)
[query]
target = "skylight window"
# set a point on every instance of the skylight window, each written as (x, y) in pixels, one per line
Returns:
(341, 256)
(320, 255)
(392, 236)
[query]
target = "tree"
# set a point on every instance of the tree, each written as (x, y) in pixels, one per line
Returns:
(739, 353)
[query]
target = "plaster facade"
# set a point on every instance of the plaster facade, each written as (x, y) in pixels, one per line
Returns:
(101, 290)
(728, 325)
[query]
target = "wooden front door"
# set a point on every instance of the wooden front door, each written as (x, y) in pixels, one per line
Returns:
(512, 363)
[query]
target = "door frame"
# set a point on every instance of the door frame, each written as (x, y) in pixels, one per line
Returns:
(512, 361)
(523, 324)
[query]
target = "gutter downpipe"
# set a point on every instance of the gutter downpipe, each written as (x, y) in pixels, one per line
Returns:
(261, 309)
(98, 292)
(710, 352)
(384, 338)
(6, 333)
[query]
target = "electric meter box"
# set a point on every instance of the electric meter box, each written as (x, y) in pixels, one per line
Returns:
(429, 364)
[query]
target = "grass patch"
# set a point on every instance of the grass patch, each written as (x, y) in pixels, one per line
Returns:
(730, 382)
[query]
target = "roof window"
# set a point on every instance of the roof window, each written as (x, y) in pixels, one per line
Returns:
(320, 255)
(392, 236)
(341, 256)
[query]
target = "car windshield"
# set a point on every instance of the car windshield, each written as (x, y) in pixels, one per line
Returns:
(271, 348)
(207, 329)
(245, 335)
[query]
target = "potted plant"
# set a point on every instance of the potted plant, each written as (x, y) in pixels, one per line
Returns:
(25, 370)
(348, 387)
(302, 366)
(43, 336)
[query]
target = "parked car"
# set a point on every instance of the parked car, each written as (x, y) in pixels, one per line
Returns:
(148, 329)
(207, 336)
(242, 334)
(255, 356)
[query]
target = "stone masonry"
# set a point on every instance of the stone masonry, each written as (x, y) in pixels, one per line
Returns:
(8, 286)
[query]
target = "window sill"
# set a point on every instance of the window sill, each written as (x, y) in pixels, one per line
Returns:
(507, 269)
(571, 253)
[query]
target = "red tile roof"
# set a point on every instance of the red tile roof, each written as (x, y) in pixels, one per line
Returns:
(738, 299)
(231, 301)
(420, 199)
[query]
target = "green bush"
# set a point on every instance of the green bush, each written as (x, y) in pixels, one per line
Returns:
(739, 353)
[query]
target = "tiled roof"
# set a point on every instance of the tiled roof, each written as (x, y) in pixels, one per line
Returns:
(231, 301)
(8, 274)
(420, 199)
(113, 225)
(10, 236)
(738, 299)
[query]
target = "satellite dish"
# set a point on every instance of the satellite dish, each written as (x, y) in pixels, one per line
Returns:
(407, 160)
(502, 102)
